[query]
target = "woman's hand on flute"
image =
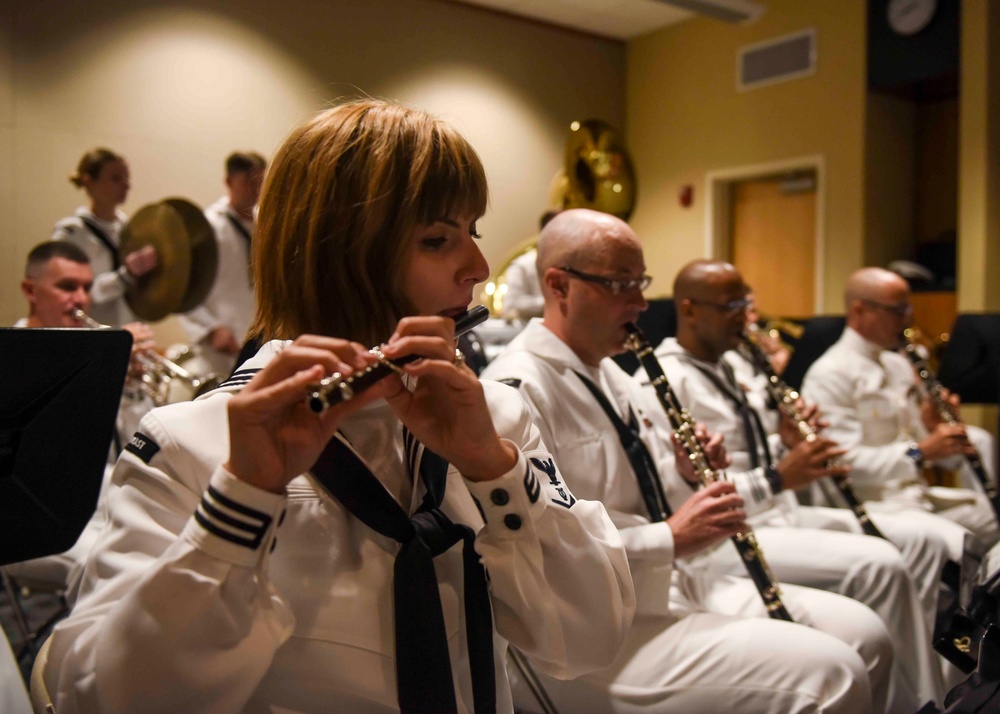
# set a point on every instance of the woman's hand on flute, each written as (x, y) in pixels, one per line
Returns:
(446, 411)
(273, 436)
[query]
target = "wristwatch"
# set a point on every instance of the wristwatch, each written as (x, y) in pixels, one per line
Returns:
(773, 478)
(914, 452)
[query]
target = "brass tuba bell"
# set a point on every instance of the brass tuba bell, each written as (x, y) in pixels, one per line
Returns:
(598, 170)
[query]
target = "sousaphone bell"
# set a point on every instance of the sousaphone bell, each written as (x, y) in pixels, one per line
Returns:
(598, 170)
(187, 258)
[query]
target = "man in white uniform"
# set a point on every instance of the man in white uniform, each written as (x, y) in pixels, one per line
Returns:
(825, 549)
(220, 323)
(678, 656)
(866, 389)
(57, 282)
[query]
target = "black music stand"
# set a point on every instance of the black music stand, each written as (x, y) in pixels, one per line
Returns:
(59, 396)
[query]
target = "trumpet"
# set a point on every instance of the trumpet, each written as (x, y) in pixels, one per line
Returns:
(684, 429)
(786, 399)
(162, 380)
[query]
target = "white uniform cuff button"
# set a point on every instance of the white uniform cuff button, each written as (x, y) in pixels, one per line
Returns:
(499, 497)
(512, 521)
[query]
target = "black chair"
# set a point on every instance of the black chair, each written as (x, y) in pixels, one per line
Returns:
(970, 365)
(818, 335)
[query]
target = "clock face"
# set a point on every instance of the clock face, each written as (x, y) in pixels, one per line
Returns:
(908, 17)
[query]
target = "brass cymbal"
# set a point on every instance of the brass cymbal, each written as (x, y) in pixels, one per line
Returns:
(204, 252)
(598, 170)
(187, 258)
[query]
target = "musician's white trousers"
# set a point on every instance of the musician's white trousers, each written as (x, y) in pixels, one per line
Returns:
(710, 663)
(869, 570)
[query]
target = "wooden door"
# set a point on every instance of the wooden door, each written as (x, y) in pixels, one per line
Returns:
(773, 242)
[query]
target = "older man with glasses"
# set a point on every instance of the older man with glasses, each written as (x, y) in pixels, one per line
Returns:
(866, 389)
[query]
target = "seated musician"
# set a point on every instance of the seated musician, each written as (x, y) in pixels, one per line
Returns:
(699, 639)
(262, 557)
(866, 389)
(57, 286)
(821, 548)
(96, 229)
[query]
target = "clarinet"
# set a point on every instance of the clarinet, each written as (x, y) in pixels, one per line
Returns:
(683, 426)
(786, 400)
(944, 409)
(337, 388)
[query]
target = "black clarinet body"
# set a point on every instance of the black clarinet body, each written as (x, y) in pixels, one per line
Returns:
(786, 399)
(933, 388)
(683, 425)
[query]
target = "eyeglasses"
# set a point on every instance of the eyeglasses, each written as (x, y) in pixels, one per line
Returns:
(730, 308)
(615, 287)
(899, 310)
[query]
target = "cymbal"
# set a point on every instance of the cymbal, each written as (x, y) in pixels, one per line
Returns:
(187, 258)
(598, 170)
(204, 252)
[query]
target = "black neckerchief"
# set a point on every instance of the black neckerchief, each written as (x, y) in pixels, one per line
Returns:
(753, 428)
(240, 228)
(423, 667)
(116, 258)
(638, 455)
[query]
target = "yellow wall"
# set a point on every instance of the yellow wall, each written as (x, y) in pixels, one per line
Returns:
(979, 158)
(176, 86)
(685, 118)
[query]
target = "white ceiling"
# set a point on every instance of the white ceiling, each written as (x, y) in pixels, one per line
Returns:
(619, 19)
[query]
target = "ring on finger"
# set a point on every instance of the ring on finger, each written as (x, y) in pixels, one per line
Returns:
(459, 358)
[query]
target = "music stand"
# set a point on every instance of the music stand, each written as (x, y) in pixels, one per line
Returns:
(818, 335)
(657, 323)
(970, 365)
(59, 396)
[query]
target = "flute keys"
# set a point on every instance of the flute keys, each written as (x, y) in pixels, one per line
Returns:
(319, 393)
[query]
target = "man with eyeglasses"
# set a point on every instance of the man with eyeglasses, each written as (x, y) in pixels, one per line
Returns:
(866, 390)
(701, 641)
(816, 547)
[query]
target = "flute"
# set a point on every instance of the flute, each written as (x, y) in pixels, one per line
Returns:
(337, 388)
(786, 400)
(683, 426)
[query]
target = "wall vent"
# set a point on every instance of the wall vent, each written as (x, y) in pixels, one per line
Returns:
(788, 57)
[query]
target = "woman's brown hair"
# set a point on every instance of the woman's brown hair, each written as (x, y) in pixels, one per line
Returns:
(342, 200)
(91, 164)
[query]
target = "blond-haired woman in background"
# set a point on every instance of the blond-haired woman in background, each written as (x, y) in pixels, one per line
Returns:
(104, 176)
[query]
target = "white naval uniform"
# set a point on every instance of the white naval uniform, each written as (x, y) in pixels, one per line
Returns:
(701, 642)
(866, 393)
(13, 694)
(523, 299)
(826, 549)
(174, 617)
(230, 302)
(108, 294)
